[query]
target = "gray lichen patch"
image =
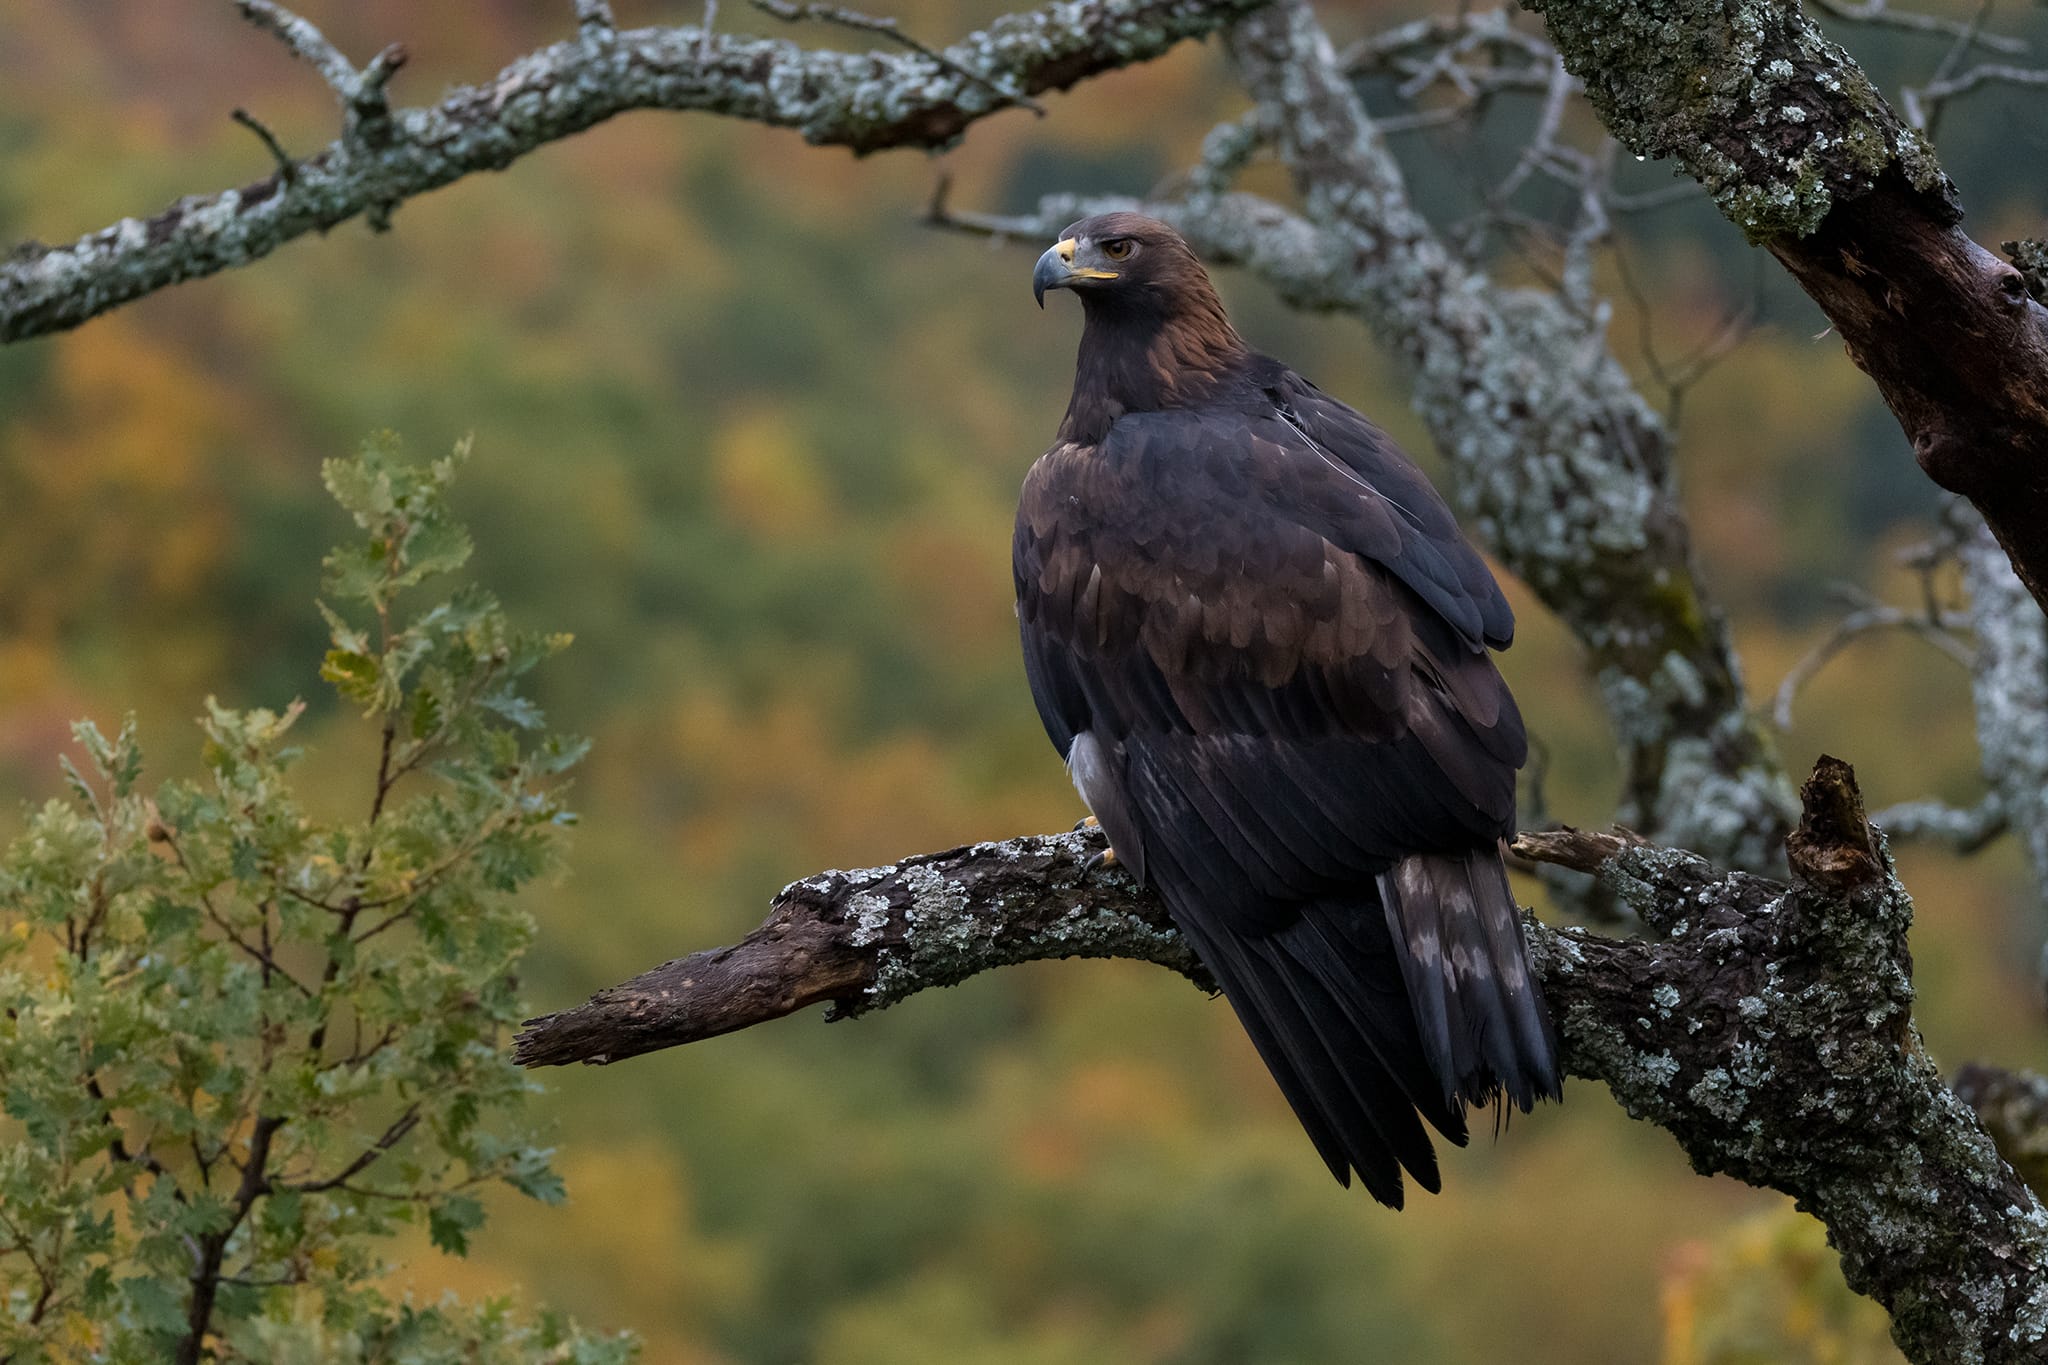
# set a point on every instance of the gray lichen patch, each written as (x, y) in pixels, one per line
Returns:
(937, 921)
(1798, 1067)
(868, 917)
(1720, 1094)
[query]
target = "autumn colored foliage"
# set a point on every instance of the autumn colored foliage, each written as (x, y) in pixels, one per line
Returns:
(754, 436)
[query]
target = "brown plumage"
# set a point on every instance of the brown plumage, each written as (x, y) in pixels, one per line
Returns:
(1257, 637)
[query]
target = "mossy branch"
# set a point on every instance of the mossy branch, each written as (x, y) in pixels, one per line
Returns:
(1769, 1029)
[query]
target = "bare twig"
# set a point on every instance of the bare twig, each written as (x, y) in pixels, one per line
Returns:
(1479, 55)
(361, 93)
(1878, 14)
(1227, 149)
(306, 42)
(261, 955)
(704, 27)
(287, 170)
(1559, 87)
(1578, 849)
(1649, 201)
(1875, 616)
(369, 107)
(390, 1138)
(1923, 104)
(887, 27)
(1677, 379)
(1963, 829)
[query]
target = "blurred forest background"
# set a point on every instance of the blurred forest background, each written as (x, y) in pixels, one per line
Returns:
(754, 434)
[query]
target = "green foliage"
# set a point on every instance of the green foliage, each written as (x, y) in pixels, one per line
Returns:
(1770, 1290)
(240, 1043)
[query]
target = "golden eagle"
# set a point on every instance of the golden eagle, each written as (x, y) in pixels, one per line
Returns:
(1258, 639)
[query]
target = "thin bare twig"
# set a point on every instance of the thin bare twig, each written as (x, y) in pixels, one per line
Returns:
(1650, 200)
(1957, 52)
(361, 93)
(887, 27)
(1876, 616)
(1963, 829)
(391, 1137)
(1878, 14)
(1923, 105)
(1678, 379)
(306, 42)
(369, 106)
(287, 169)
(262, 956)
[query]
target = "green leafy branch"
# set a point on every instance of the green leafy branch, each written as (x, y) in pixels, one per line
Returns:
(241, 1042)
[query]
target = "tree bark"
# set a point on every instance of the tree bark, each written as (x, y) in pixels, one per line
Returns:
(1768, 1029)
(1801, 152)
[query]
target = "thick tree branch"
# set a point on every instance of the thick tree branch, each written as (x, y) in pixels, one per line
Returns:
(1768, 1029)
(865, 101)
(1802, 153)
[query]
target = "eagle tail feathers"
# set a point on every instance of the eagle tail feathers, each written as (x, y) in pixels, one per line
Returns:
(1458, 932)
(1317, 1036)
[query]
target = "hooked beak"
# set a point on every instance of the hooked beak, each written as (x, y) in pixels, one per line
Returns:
(1056, 270)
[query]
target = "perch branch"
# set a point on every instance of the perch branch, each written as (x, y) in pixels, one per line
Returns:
(1768, 1028)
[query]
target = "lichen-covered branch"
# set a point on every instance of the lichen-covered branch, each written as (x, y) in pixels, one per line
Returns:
(1799, 150)
(1769, 1029)
(865, 101)
(2009, 685)
(865, 939)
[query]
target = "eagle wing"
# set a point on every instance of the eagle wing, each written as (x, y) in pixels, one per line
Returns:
(1259, 639)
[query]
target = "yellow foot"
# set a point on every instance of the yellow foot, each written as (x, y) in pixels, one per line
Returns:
(1106, 858)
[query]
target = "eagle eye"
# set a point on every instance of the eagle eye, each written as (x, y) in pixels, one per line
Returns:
(1119, 248)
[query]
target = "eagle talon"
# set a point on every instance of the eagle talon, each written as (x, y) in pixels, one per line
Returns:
(1106, 858)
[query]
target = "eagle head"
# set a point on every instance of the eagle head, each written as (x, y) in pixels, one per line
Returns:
(1121, 259)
